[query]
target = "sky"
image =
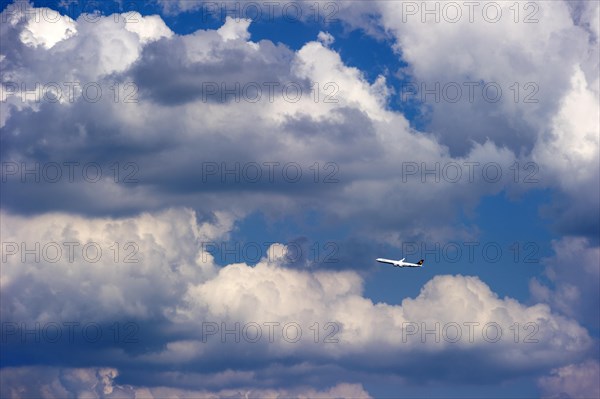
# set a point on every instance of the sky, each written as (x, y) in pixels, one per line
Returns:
(193, 196)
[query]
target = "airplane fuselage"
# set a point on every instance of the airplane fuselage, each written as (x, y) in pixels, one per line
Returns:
(400, 263)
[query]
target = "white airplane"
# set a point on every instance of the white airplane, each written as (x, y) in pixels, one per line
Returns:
(401, 262)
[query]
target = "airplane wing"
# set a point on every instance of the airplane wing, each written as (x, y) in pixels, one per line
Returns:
(383, 260)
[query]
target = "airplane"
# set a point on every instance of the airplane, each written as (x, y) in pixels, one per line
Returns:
(401, 262)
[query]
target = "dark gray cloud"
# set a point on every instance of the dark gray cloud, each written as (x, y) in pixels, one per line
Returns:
(174, 134)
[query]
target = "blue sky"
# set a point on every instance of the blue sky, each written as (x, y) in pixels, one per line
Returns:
(143, 137)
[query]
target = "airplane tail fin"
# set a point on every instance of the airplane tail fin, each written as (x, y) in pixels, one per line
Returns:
(421, 262)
